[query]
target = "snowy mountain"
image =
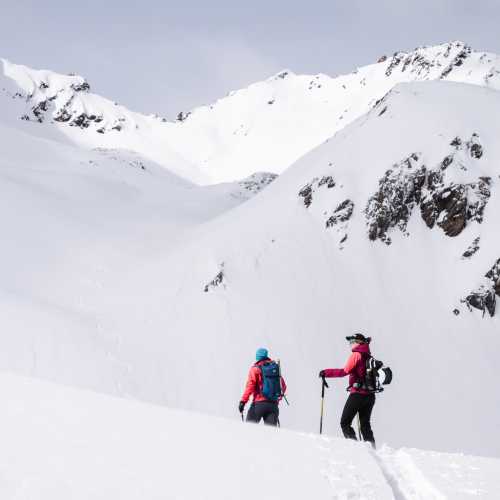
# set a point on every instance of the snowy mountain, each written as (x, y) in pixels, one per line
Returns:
(122, 275)
(373, 238)
(265, 127)
(59, 443)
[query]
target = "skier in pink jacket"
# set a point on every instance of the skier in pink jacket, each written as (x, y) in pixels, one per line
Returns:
(360, 401)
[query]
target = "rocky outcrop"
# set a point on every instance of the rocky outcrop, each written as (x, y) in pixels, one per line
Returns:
(342, 213)
(494, 276)
(306, 193)
(400, 190)
(421, 63)
(458, 60)
(217, 281)
(443, 203)
(452, 206)
(484, 298)
(257, 182)
(472, 249)
(59, 103)
(336, 219)
(182, 115)
(81, 87)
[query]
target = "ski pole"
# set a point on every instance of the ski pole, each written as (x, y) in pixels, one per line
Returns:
(279, 373)
(359, 428)
(323, 385)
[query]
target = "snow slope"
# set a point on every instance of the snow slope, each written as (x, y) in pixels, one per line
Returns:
(59, 443)
(73, 223)
(126, 281)
(265, 127)
(285, 279)
(121, 276)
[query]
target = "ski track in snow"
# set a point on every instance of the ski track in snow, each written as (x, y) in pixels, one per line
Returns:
(404, 477)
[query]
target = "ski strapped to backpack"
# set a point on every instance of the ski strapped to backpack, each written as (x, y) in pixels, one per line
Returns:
(271, 380)
(371, 381)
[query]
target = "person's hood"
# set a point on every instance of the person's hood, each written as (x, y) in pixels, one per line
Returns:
(361, 348)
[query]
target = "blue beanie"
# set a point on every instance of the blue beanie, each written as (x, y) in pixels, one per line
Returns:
(261, 354)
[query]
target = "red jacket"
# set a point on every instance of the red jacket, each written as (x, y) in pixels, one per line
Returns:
(355, 367)
(253, 386)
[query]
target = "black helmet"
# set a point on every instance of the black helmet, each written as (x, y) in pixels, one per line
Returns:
(359, 337)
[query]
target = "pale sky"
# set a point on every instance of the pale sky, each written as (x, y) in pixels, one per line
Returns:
(165, 56)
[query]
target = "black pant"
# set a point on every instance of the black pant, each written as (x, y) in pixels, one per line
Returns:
(362, 404)
(266, 410)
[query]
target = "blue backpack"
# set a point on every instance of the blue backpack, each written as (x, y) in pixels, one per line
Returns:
(271, 380)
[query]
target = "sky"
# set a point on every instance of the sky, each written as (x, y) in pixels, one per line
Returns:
(164, 56)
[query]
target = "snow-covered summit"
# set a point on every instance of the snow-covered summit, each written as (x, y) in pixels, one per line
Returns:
(264, 127)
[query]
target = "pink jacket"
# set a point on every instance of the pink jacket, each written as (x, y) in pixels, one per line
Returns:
(355, 367)
(254, 384)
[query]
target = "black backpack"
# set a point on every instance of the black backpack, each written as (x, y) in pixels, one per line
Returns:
(371, 382)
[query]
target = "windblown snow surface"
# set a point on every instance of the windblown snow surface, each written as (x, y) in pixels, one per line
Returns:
(59, 443)
(121, 274)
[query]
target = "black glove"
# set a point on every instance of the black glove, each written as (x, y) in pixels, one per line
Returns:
(322, 374)
(241, 406)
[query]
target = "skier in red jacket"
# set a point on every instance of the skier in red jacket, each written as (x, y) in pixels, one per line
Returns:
(262, 407)
(360, 401)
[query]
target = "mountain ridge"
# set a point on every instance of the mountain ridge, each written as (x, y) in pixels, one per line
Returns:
(264, 127)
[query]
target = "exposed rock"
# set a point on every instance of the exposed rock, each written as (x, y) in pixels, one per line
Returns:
(447, 205)
(40, 109)
(457, 61)
(182, 116)
(474, 147)
(306, 192)
(399, 191)
(484, 298)
(384, 109)
(257, 182)
(341, 214)
(80, 87)
(63, 116)
(395, 62)
(217, 281)
(82, 121)
(494, 275)
(328, 181)
(473, 248)
(448, 208)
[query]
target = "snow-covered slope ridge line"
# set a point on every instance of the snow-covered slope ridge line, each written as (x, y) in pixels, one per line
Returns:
(60, 443)
(265, 127)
